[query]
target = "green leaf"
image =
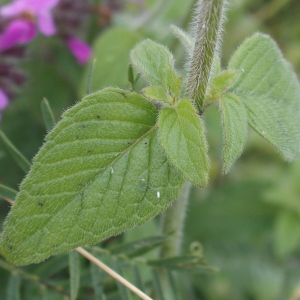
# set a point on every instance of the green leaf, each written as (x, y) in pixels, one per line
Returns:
(287, 229)
(225, 79)
(140, 247)
(111, 51)
(186, 40)
(270, 120)
(182, 135)
(19, 158)
(157, 283)
(156, 63)
(74, 269)
(97, 276)
(271, 93)
(14, 288)
(47, 114)
(123, 291)
(157, 94)
(234, 121)
(101, 171)
(7, 192)
(131, 75)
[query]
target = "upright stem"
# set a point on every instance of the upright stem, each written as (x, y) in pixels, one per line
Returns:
(208, 22)
(173, 221)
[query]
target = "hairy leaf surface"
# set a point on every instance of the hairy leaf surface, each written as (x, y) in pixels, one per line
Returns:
(186, 40)
(156, 94)
(271, 93)
(182, 135)
(102, 170)
(234, 121)
(156, 64)
(225, 79)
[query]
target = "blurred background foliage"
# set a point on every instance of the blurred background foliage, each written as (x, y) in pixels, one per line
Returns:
(246, 223)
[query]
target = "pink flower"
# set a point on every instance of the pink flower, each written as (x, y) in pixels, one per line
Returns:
(41, 9)
(79, 49)
(3, 101)
(17, 32)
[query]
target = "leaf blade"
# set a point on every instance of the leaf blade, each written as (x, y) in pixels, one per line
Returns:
(47, 114)
(74, 270)
(268, 80)
(73, 199)
(182, 135)
(234, 121)
(19, 158)
(156, 64)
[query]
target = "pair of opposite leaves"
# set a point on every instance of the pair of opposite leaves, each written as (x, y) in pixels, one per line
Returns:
(108, 165)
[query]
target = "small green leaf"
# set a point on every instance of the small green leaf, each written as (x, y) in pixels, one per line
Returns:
(139, 247)
(19, 158)
(47, 114)
(7, 192)
(225, 79)
(101, 171)
(234, 121)
(74, 269)
(186, 40)
(137, 277)
(156, 64)
(287, 230)
(97, 276)
(270, 120)
(130, 75)
(182, 135)
(124, 292)
(271, 93)
(13, 291)
(157, 283)
(157, 94)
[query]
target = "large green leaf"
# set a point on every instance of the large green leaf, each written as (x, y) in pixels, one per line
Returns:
(156, 63)
(182, 135)
(102, 170)
(111, 51)
(271, 93)
(234, 121)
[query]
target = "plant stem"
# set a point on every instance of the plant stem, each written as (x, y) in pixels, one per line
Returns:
(173, 221)
(208, 21)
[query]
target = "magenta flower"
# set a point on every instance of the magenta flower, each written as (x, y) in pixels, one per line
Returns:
(41, 9)
(17, 32)
(3, 101)
(79, 49)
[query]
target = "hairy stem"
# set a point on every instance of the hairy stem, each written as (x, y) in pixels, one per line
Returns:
(173, 222)
(208, 21)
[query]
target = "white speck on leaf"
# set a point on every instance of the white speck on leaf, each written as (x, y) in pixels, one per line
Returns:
(158, 194)
(111, 170)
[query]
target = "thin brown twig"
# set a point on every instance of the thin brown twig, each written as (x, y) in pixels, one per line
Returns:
(8, 200)
(112, 273)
